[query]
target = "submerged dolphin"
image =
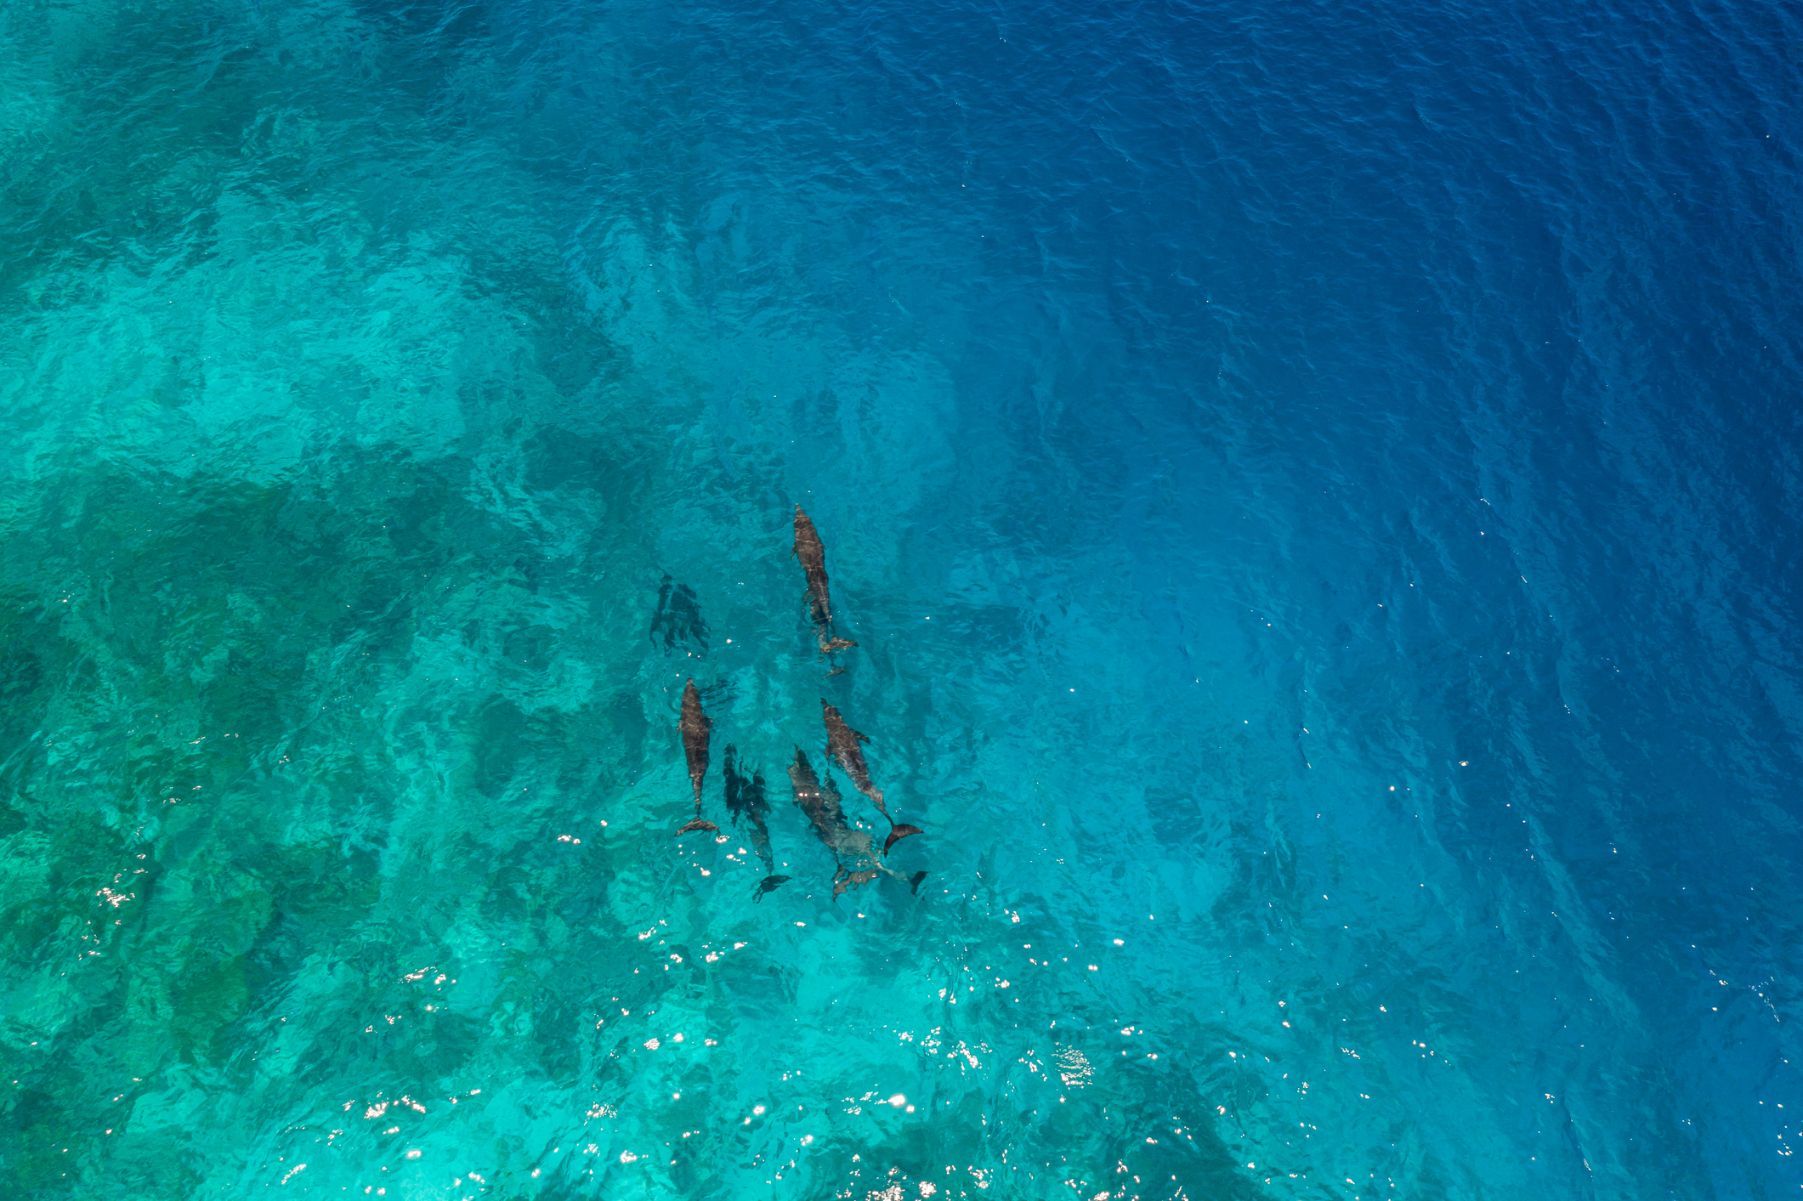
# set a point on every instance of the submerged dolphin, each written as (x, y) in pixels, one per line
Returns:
(695, 728)
(844, 746)
(745, 800)
(820, 801)
(812, 553)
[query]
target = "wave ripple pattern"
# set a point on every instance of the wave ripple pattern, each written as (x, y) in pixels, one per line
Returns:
(1313, 489)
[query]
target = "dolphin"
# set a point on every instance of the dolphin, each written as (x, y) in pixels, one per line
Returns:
(695, 728)
(745, 799)
(844, 746)
(820, 801)
(844, 881)
(812, 553)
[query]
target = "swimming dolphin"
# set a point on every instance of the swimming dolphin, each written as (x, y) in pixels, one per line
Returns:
(844, 881)
(812, 553)
(745, 799)
(844, 746)
(695, 728)
(819, 799)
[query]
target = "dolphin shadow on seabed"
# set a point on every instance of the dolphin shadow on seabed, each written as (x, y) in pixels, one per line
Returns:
(747, 802)
(677, 620)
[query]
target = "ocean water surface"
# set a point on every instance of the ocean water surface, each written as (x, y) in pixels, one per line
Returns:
(1314, 489)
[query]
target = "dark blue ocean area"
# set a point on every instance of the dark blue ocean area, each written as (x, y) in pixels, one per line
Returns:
(1297, 503)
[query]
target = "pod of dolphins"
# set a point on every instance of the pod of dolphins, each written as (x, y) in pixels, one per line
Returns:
(856, 857)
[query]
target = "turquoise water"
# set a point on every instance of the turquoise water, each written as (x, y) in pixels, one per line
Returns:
(1314, 492)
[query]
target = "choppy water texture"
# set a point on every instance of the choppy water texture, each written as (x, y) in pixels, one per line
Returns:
(1315, 492)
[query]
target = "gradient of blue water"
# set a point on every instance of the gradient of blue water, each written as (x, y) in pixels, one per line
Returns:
(1314, 490)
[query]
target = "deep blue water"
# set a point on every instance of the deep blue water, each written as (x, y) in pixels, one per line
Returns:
(1314, 490)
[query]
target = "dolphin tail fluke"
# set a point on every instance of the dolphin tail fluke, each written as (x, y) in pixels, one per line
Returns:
(700, 823)
(914, 882)
(899, 832)
(769, 883)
